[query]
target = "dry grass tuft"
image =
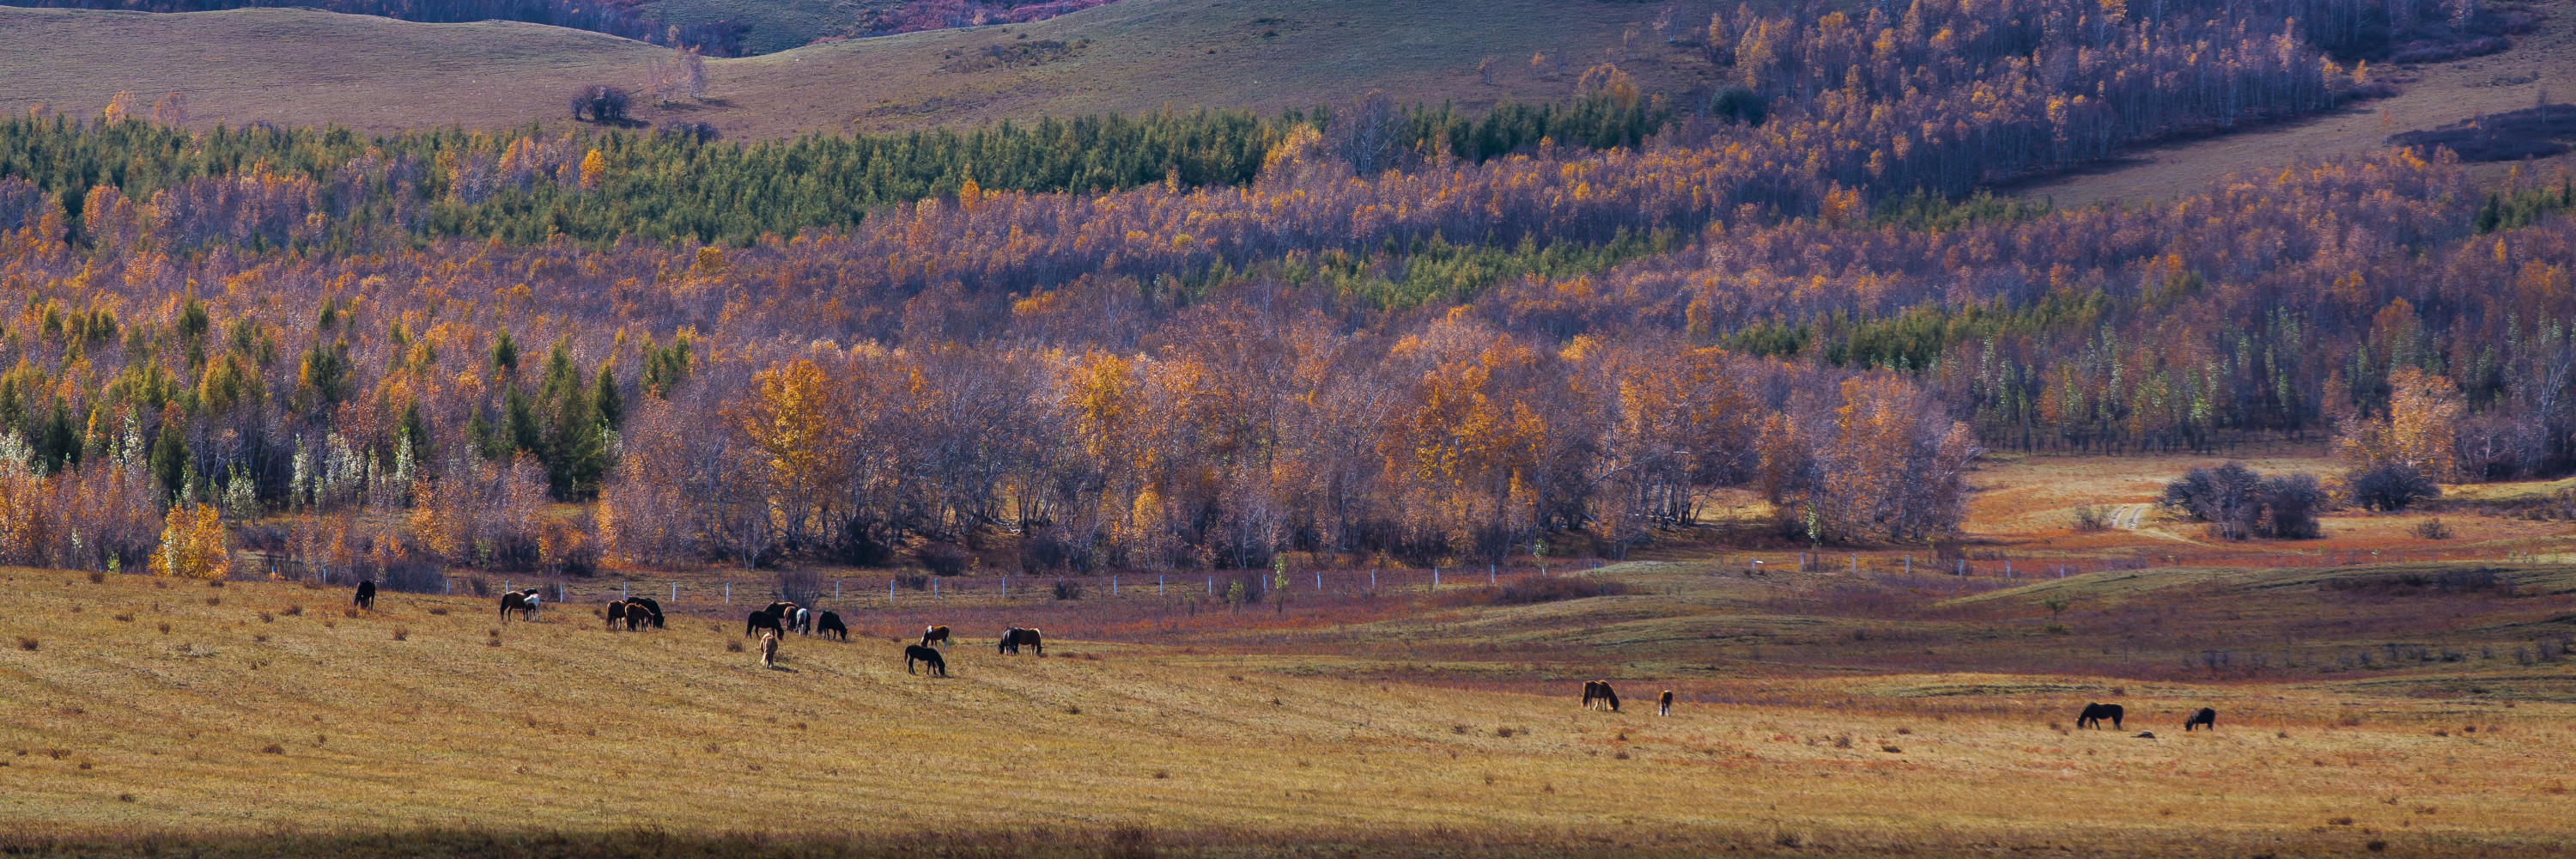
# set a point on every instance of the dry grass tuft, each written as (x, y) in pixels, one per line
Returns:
(401, 634)
(25, 643)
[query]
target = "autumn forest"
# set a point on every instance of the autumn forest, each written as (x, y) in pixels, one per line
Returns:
(1196, 340)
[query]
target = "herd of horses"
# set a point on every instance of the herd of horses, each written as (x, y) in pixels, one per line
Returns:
(774, 622)
(1598, 695)
(2093, 715)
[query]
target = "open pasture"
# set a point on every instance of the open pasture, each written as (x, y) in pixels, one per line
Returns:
(2406, 709)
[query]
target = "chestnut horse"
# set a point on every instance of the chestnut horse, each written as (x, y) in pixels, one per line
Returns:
(934, 634)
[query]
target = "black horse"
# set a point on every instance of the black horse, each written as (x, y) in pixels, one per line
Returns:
(2206, 718)
(1015, 638)
(760, 620)
(831, 626)
(366, 600)
(652, 610)
(915, 652)
(2094, 714)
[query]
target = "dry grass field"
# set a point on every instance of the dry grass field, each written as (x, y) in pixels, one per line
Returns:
(1844, 709)
(300, 67)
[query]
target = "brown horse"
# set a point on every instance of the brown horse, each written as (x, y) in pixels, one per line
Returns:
(1664, 707)
(617, 615)
(1015, 638)
(1598, 692)
(937, 634)
(524, 602)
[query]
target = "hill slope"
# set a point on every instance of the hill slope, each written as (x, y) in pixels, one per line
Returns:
(294, 66)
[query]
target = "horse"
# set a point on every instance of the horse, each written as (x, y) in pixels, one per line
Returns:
(617, 614)
(935, 633)
(638, 617)
(1015, 638)
(2206, 718)
(915, 652)
(802, 620)
(519, 601)
(832, 628)
(2094, 714)
(768, 650)
(1599, 692)
(761, 620)
(366, 600)
(781, 609)
(652, 610)
(1664, 707)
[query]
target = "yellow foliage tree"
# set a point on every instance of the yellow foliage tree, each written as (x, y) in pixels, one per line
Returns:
(593, 166)
(2420, 429)
(194, 544)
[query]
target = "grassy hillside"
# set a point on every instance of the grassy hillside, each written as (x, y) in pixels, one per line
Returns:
(1133, 56)
(186, 709)
(2433, 95)
(1866, 713)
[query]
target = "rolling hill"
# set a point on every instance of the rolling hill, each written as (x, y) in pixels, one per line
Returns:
(300, 67)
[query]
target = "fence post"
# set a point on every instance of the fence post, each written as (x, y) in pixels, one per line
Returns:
(889, 590)
(1319, 581)
(2007, 568)
(675, 592)
(1489, 575)
(621, 590)
(1909, 565)
(1435, 578)
(1113, 586)
(1855, 563)
(836, 590)
(451, 585)
(934, 586)
(1006, 588)
(1372, 578)
(728, 593)
(1158, 584)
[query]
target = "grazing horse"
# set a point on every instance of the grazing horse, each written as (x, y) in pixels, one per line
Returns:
(2094, 714)
(1015, 638)
(2206, 718)
(652, 610)
(760, 620)
(936, 633)
(1664, 707)
(637, 616)
(782, 610)
(1598, 692)
(366, 600)
(617, 614)
(519, 601)
(832, 628)
(915, 652)
(801, 620)
(768, 650)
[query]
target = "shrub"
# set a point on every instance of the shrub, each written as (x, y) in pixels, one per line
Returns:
(2290, 503)
(2433, 529)
(2391, 487)
(2225, 497)
(601, 103)
(733, 646)
(1067, 590)
(2087, 518)
(401, 634)
(799, 586)
(96, 577)
(945, 559)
